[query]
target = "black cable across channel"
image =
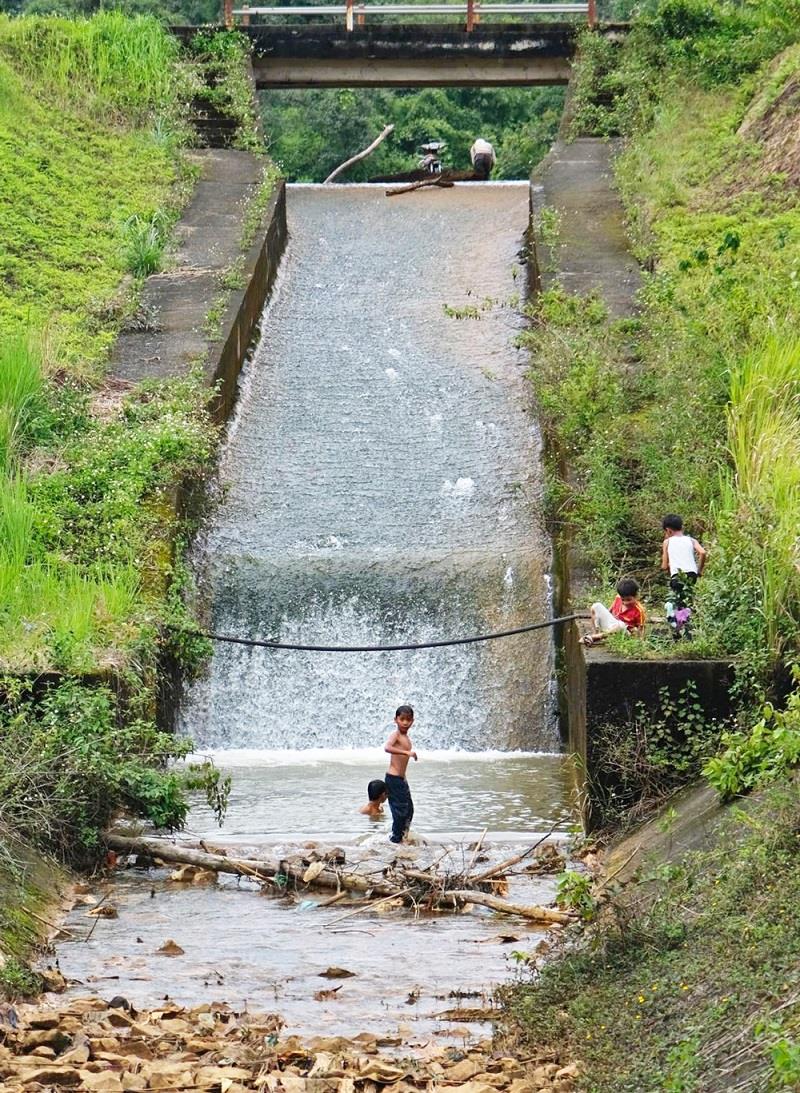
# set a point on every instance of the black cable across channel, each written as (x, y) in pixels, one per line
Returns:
(268, 644)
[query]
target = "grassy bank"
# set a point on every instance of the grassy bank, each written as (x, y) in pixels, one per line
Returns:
(689, 981)
(89, 126)
(94, 130)
(692, 406)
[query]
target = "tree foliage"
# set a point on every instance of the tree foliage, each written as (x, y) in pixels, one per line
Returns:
(311, 132)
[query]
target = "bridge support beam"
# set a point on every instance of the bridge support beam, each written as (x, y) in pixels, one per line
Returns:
(279, 72)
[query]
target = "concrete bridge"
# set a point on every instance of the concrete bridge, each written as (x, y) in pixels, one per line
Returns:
(361, 44)
(420, 56)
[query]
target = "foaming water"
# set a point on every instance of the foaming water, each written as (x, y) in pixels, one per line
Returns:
(381, 485)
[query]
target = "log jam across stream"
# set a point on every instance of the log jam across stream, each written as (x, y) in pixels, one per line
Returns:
(381, 482)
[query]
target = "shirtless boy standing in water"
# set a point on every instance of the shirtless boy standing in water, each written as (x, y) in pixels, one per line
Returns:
(399, 747)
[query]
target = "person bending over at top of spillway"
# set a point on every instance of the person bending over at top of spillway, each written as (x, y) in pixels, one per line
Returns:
(376, 792)
(482, 157)
(399, 747)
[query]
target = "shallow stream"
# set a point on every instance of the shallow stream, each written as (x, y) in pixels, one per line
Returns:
(380, 483)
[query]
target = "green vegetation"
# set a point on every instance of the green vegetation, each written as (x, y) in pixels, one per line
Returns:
(17, 980)
(689, 980)
(72, 176)
(72, 756)
(692, 406)
(638, 764)
(311, 132)
(221, 59)
(768, 753)
(93, 124)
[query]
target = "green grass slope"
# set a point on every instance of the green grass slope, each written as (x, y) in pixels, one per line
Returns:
(74, 171)
(692, 406)
(93, 172)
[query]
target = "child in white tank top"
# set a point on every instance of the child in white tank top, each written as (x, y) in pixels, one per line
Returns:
(680, 553)
(682, 557)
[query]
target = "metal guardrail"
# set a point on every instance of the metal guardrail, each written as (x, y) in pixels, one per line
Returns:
(355, 13)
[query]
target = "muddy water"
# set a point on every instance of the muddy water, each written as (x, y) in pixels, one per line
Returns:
(380, 483)
(269, 954)
(317, 794)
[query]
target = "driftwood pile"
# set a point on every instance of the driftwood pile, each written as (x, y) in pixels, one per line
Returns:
(423, 889)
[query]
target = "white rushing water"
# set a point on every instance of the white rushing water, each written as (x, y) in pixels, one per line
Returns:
(380, 484)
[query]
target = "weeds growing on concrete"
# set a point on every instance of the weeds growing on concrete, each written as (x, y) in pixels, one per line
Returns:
(691, 981)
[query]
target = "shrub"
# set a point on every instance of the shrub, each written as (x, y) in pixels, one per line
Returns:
(767, 752)
(143, 242)
(74, 756)
(636, 765)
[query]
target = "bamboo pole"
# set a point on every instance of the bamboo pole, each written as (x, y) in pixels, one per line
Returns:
(361, 155)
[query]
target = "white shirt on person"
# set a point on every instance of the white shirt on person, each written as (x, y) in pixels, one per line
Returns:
(481, 147)
(680, 552)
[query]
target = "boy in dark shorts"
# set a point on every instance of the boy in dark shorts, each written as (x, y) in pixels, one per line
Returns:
(399, 747)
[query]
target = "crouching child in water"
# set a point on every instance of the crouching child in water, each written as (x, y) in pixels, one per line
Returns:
(398, 746)
(376, 792)
(626, 615)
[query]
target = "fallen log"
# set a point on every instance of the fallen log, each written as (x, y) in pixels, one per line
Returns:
(437, 181)
(256, 868)
(530, 911)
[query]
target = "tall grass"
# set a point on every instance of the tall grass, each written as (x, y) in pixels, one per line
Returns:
(143, 242)
(761, 502)
(21, 385)
(127, 63)
(52, 611)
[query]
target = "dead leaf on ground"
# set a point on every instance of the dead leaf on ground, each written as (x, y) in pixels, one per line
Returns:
(327, 994)
(170, 948)
(105, 910)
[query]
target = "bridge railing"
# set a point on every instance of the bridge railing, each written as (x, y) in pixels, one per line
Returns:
(355, 12)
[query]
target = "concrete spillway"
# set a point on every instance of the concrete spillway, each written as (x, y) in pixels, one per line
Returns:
(381, 484)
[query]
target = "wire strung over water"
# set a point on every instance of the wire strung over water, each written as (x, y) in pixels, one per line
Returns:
(269, 643)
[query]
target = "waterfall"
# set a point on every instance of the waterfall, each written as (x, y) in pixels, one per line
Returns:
(381, 483)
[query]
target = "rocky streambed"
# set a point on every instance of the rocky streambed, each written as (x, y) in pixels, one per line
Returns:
(109, 1047)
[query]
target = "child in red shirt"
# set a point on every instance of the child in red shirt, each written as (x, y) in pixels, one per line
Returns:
(626, 614)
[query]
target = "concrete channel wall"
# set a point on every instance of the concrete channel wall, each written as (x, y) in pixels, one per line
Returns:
(170, 333)
(174, 339)
(590, 255)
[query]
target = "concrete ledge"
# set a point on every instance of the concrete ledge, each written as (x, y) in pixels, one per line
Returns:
(591, 253)
(167, 338)
(243, 313)
(603, 689)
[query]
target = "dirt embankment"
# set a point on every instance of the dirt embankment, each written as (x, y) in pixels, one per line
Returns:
(771, 122)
